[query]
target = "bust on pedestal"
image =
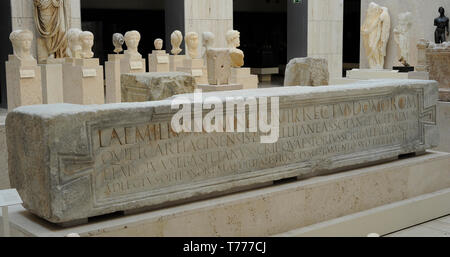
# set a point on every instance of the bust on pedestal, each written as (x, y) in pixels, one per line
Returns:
(23, 75)
(132, 62)
(82, 74)
(112, 71)
(158, 60)
(239, 75)
(176, 60)
(192, 64)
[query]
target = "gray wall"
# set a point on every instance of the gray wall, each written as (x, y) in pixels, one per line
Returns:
(297, 30)
(124, 4)
(6, 48)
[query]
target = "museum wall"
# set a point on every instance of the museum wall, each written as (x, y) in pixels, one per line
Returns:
(215, 16)
(423, 13)
(124, 5)
(325, 32)
(22, 15)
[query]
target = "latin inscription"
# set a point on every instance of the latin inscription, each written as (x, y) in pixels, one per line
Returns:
(150, 157)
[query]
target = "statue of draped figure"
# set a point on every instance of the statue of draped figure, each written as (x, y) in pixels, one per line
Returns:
(50, 17)
(375, 32)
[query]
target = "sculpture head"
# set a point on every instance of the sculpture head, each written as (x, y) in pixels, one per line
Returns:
(208, 39)
(175, 39)
(442, 11)
(87, 40)
(74, 43)
(132, 39)
(118, 41)
(22, 42)
(158, 43)
(192, 44)
(233, 38)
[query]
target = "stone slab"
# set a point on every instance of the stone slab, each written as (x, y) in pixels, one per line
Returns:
(94, 160)
(438, 65)
(308, 71)
(244, 77)
(154, 86)
(375, 74)
(340, 199)
(4, 177)
(218, 88)
(443, 118)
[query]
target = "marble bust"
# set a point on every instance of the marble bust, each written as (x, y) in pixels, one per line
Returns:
(207, 42)
(87, 41)
(21, 41)
(375, 32)
(401, 36)
(158, 43)
(132, 39)
(442, 27)
(192, 44)
(74, 43)
(175, 39)
(236, 55)
(118, 42)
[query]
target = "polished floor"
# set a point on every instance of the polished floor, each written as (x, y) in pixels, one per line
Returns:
(435, 228)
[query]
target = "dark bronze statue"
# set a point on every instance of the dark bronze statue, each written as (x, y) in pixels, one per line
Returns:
(441, 23)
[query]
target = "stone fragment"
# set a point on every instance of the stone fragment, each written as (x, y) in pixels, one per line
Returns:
(307, 72)
(71, 162)
(154, 86)
(219, 66)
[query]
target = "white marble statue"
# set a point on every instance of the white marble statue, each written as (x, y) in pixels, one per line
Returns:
(118, 42)
(192, 44)
(207, 43)
(50, 17)
(21, 41)
(175, 39)
(132, 39)
(401, 35)
(87, 41)
(375, 32)
(74, 44)
(158, 43)
(237, 55)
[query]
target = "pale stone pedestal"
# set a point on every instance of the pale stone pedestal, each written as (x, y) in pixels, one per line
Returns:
(23, 81)
(244, 77)
(112, 74)
(365, 74)
(83, 81)
(215, 88)
(52, 82)
(195, 67)
(128, 64)
(265, 74)
(158, 61)
(383, 193)
(176, 61)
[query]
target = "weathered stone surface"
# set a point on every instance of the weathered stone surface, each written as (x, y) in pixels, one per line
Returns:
(438, 62)
(4, 179)
(71, 162)
(219, 66)
(154, 86)
(307, 71)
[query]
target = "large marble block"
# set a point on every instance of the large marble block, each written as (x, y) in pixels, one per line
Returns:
(154, 86)
(307, 71)
(71, 162)
(438, 64)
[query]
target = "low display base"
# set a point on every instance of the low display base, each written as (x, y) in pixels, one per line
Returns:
(403, 69)
(287, 207)
(215, 88)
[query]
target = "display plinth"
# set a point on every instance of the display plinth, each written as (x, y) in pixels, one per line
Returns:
(158, 61)
(83, 81)
(23, 81)
(52, 83)
(176, 61)
(112, 75)
(195, 67)
(244, 77)
(364, 74)
(276, 209)
(132, 64)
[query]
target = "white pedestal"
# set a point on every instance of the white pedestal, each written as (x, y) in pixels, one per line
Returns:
(23, 82)
(244, 77)
(195, 67)
(112, 75)
(83, 81)
(130, 64)
(158, 61)
(52, 83)
(176, 61)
